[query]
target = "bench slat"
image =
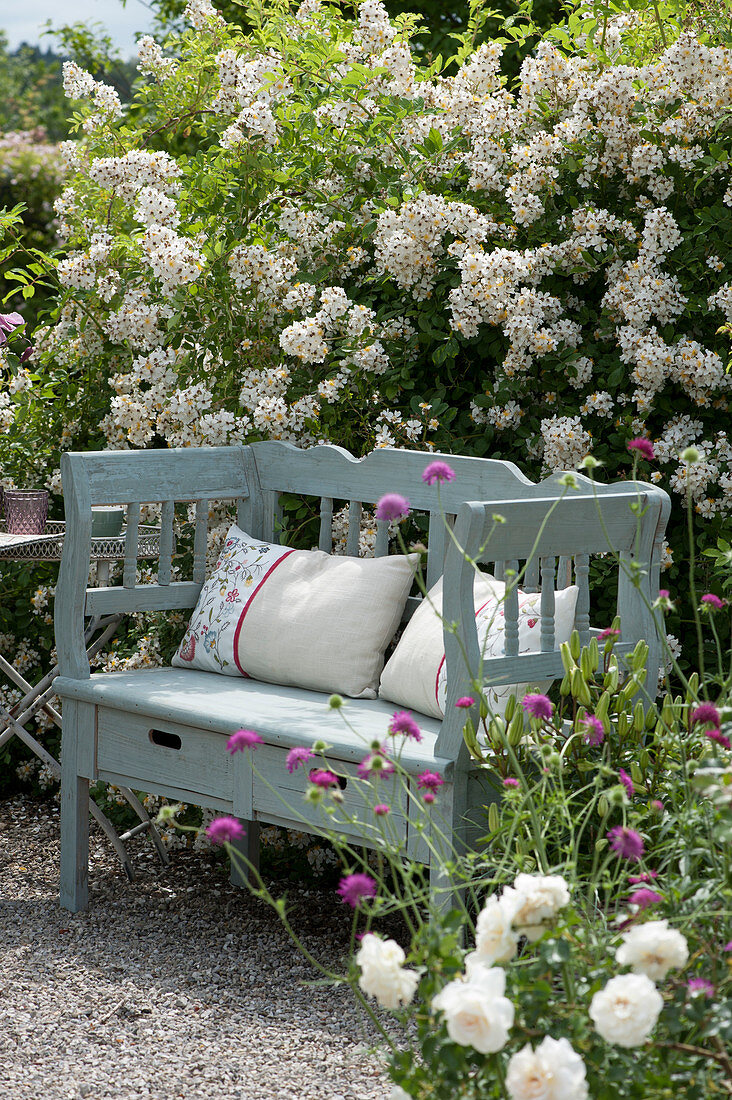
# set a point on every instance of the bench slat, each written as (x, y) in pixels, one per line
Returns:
(325, 541)
(511, 610)
(355, 511)
(129, 570)
(167, 515)
(143, 597)
(547, 604)
(200, 542)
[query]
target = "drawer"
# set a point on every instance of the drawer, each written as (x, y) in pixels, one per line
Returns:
(153, 755)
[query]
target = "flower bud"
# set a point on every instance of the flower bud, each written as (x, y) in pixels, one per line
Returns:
(690, 455)
(567, 659)
(616, 796)
(574, 645)
(493, 818)
(335, 702)
(603, 806)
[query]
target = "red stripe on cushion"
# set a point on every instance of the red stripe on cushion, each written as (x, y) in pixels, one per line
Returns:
(248, 604)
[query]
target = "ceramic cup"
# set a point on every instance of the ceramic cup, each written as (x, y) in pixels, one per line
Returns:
(26, 511)
(107, 521)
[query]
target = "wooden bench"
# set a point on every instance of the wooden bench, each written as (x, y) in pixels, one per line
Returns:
(164, 730)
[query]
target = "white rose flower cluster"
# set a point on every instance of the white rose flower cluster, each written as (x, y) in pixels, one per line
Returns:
(79, 84)
(151, 61)
(383, 974)
(173, 259)
(475, 1010)
(524, 909)
(554, 1071)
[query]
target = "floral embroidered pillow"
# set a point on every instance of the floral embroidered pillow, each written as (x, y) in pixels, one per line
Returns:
(301, 618)
(415, 675)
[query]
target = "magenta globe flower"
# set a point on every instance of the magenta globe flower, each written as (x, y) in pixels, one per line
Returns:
(712, 601)
(319, 777)
(429, 781)
(625, 842)
(465, 702)
(402, 722)
(705, 713)
(594, 730)
(719, 737)
(627, 782)
(645, 898)
(538, 706)
(392, 506)
(643, 447)
(223, 830)
(354, 888)
(438, 471)
(243, 739)
(296, 757)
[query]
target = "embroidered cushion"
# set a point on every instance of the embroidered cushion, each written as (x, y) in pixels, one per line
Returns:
(301, 618)
(416, 677)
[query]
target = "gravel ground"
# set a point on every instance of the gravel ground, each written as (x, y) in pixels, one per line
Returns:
(177, 986)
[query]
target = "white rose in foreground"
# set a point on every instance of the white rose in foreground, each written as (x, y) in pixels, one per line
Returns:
(653, 949)
(626, 1010)
(382, 972)
(476, 1012)
(554, 1071)
(538, 899)
(495, 939)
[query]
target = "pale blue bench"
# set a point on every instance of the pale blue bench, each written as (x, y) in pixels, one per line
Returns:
(164, 730)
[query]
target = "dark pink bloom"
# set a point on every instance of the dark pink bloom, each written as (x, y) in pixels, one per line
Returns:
(429, 781)
(719, 737)
(223, 829)
(392, 506)
(728, 946)
(644, 876)
(322, 778)
(713, 601)
(465, 701)
(429, 796)
(700, 985)
(663, 593)
(644, 898)
(296, 757)
(594, 732)
(375, 765)
(627, 782)
(538, 706)
(243, 739)
(354, 888)
(608, 632)
(644, 447)
(438, 471)
(402, 722)
(381, 809)
(705, 712)
(627, 843)
(509, 781)
(657, 805)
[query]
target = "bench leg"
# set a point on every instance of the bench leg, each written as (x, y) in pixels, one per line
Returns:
(74, 810)
(248, 846)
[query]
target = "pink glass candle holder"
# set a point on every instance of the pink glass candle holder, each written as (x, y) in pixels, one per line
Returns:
(26, 511)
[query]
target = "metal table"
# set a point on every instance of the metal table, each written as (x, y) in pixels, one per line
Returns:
(36, 698)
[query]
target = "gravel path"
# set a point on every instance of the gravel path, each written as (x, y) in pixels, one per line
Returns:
(177, 986)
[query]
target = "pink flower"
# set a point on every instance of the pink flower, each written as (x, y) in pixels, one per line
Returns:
(381, 809)
(296, 757)
(594, 732)
(465, 701)
(719, 737)
(644, 898)
(608, 632)
(243, 739)
(644, 447)
(429, 781)
(223, 829)
(627, 843)
(713, 601)
(354, 888)
(705, 712)
(402, 722)
(700, 985)
(438, 471)
(429, 796)
(657, 805)
(728, 946)
(538, 706)
(509, 781)
(627, 782)
(322, 778)
(644, 876)
(392, 506)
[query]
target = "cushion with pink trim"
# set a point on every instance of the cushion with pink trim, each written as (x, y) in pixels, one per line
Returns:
(301, 618)
(415, 675)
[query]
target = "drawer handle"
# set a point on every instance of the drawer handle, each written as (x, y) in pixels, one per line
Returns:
(167, 740)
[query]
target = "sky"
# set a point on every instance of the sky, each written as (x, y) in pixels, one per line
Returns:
(23, 20)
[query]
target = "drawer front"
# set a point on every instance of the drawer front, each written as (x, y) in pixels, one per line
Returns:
(165, 753)
(354, 816)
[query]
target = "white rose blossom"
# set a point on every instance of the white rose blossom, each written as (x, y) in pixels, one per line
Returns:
(554, 1071)
(537, 899)
(653, 949)
(626, 1010)
(495, 938)
(475, 1010)
(383, 975)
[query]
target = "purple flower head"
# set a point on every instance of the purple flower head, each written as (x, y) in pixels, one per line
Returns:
(402, 722)
(296, 757)
(429, 781)
(719, 737)
(375, 765)
(705, 712)
(429, 797)
(381, 809)
(9, 322)
(657, 805)
(354, 888)
(27, 353)
(627, 843)
(392, 506)
(223, 829)
(608, 632)
(509, 781)
(465, 702)
(627, 782)
(644, 876)
(644, 447)
(319, 777)
(728, 946)
(243, 739)
(438, 471)
(712, 601)
(594, 732)
(538, 706)
(700, 986)
(645, 898)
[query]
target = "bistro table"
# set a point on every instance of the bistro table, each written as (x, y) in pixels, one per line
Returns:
(36, 698)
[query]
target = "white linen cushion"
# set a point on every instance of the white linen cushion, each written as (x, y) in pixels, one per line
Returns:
(415, 675)
(301, 618)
